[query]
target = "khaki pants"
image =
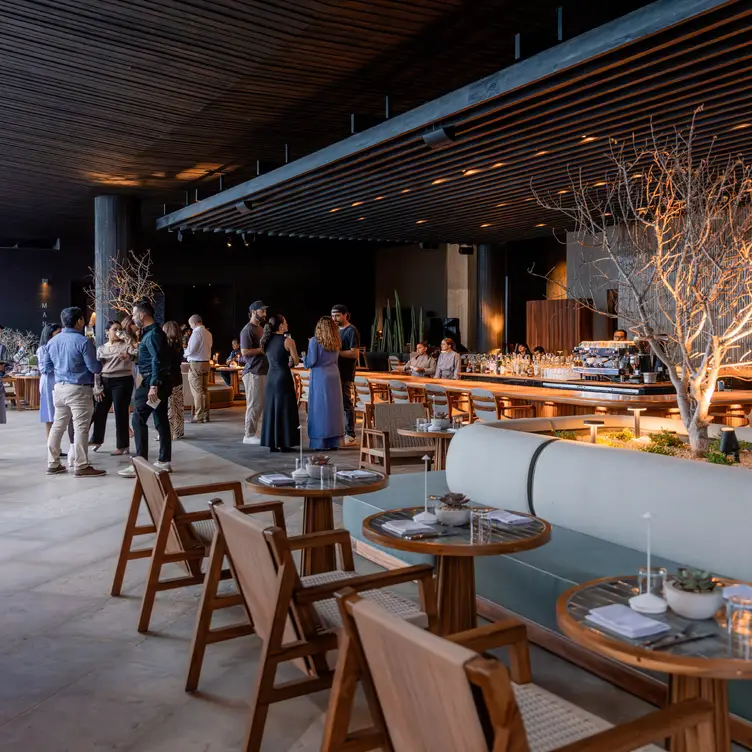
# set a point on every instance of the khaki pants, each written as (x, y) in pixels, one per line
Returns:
(75, 403)
(198, 380)
(254, 402)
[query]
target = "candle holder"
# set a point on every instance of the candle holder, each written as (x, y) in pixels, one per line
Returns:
(593, 429)
(648, 602)
(426, 517)
(636, 411)
(300, 472)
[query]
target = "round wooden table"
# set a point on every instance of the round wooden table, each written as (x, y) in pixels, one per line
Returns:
(318, 509)
(27, 391)
(234, 378)
(698, 669)
(440, 438)
(454, 552)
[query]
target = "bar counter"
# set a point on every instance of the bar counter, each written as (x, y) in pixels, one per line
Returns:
(580, 398)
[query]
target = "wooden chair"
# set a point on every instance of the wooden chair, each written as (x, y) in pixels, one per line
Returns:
(364, 397)
(439, 402)
(474, 707)
(304, 380)
(182, 538)
(399, 393)
(394, 363)
(298, 620)
(486, 406)
(381, 445)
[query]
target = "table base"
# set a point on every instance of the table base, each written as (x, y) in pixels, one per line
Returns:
(455, 585)
(715, 691)
(318, 515)
(439, 458)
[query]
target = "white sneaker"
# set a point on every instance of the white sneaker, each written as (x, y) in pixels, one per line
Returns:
(350, 441)
(252, 440)
(163, 466)
(127, 472)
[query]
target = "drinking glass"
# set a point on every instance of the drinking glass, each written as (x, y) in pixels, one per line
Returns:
(327, 475)
(739, 616)
(456, 423)
(480, 526)
(652, 581)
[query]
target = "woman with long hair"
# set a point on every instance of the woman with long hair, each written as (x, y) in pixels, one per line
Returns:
(116, 356)
(279, 430)
(175, 405)
(47, 382)
(448, 364)
(326, 421)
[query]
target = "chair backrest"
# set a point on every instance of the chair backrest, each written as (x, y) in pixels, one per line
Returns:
(398, 393)
(394, 362)
(483, 405)
(305, 381)
(298, 387)
(421, 681)
(388, 418)
(258, 577)
(437, 399)
(363, 392)
(161, 498)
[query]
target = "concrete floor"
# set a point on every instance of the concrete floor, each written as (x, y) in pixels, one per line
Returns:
(75, 675)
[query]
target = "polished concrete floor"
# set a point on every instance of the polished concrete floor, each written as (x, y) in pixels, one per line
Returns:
(75, 675)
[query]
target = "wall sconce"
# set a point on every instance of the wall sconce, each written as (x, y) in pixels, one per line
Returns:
(45, 280)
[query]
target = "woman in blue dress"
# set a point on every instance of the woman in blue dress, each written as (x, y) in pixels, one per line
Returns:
(326, 420)
(47, 383)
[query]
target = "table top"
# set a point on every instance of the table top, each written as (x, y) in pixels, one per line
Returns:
(23, 375)
(458, 541)
(718, 657)
(313, 487)
(423, 434)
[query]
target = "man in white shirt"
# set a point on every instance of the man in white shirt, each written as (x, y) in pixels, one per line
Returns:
(198, 355)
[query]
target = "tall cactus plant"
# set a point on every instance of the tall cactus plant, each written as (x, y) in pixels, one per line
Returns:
(413, 329)
(388, 327)
(399, 335)
(420, 325)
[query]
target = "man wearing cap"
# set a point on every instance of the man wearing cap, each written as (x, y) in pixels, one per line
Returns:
(254, 373)
(348, 359)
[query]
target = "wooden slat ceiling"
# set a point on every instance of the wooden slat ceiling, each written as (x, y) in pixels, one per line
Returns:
(157, 96)
(479, 189)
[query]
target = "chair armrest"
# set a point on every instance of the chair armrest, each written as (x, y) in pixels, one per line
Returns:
(188, 517)
(277, 508)
(375, 432)
(234, 486)
(651, 728)
(317, 540)
(308, 595)
(509, 633)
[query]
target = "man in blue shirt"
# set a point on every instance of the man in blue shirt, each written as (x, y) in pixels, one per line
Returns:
(73, 358)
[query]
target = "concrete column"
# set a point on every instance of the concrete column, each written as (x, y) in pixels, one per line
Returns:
(116, 228)
(462, 292)
(491, 276)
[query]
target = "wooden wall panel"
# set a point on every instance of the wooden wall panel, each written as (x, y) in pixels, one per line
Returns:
(558, 324)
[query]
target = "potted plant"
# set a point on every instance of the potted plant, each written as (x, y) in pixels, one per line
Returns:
(452, 510)
(315, 463)
(694, 594)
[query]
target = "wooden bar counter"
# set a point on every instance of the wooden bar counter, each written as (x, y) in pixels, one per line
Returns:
(730, 407)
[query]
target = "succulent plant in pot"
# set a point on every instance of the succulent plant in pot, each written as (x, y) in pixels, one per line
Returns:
(452, 509)
(694, 594)
(315, 463)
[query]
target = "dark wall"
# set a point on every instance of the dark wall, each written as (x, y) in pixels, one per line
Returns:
(22, 293)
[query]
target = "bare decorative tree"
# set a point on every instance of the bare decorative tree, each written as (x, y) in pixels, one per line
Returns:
(673, 225)
(20, 345)
(129, 280)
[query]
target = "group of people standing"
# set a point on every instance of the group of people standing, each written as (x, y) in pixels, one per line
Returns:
(269, 354)
(79, 384)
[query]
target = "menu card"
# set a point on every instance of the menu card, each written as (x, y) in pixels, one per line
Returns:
(407, 527)
(508, 518)
(276, 479)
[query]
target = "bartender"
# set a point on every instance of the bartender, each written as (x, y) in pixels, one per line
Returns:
(620, 335)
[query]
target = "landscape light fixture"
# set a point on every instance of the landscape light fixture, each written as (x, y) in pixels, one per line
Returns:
(636, 411)
(730, 442)
(593, 429)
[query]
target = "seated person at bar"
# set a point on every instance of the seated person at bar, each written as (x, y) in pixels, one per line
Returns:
(233, 358)
(539, 350)
(522, 349)
(421, 363)
(620, 335)
(448, 365)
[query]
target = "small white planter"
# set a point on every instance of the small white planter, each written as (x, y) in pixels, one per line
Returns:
(440, 424)
(452, 517)
(693, 605)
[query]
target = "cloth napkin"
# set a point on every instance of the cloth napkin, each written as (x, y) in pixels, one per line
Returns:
(356, 474)
(622, 620)
(508, 518)
(276, 479)
(406, 527)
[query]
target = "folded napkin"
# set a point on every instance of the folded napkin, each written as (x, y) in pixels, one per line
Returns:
(357, 474)
(741, 590)
(508, 518)
(622, 620)
(276, 479)
(407, 527)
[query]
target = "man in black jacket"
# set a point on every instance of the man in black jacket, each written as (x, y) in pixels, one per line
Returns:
(156, 387)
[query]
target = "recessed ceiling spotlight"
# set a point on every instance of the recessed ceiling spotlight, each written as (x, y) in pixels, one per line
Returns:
(499, 206)
(336, 209)
(421, 221)
(566, 190)
(357, 203)
(360, 219)
(607, 214)
(540, 225)
(471, 171)
(486, 224)
(587, 139)
(741, 126)
(407, 190)
(532, 198)
(541, 152)
(379, 198)
(599, 184)
(637, 175)
(498, 164)
(438, 180)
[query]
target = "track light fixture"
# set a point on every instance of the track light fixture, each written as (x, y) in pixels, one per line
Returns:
(244, 207)
(440, 138)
